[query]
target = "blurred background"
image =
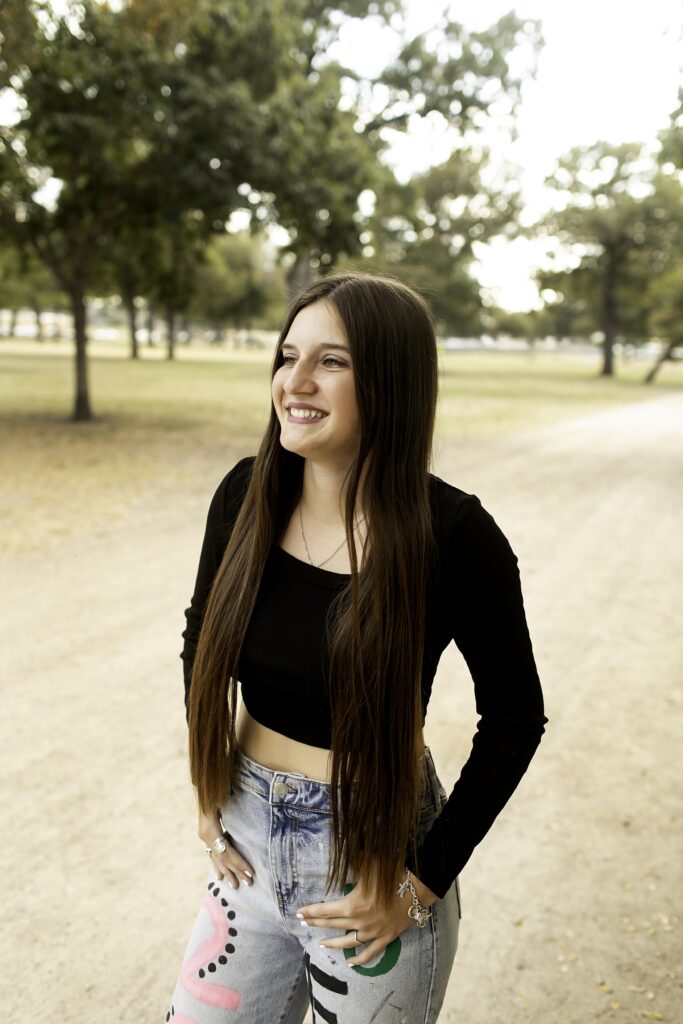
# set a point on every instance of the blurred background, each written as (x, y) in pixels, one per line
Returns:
(171, 173)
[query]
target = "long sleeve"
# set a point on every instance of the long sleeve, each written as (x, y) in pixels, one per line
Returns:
(222, 513)
(482, 597)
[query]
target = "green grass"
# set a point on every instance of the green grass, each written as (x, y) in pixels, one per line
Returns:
(161, 424)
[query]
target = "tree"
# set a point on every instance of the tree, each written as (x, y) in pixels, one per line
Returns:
(665, 291)
(621, 219)
(426, 232)
(666, 318)
(171, 112)
(25, 283)
(154, 111)
(236, 285)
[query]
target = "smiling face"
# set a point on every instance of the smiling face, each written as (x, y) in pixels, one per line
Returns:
(314, 392)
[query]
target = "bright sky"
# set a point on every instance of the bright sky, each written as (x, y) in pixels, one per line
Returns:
(609, 70)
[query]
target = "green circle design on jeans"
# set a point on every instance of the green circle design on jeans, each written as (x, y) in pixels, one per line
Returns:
(391, 953)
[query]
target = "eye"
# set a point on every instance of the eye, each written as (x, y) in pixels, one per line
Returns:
(332, 362)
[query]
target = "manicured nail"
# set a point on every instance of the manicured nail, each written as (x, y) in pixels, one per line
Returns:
(300, 916)
(248, 873)
(323, 944)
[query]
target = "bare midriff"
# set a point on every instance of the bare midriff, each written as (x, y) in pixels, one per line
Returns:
(281, 753)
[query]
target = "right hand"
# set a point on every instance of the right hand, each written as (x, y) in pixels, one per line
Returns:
(228, 864)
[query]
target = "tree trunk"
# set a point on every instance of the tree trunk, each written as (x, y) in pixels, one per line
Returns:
(170, 331)
(132, 314)
(12, 323)
(609, 317)
(150, 325)
(666, 354)
(40, 336)
(82, 409)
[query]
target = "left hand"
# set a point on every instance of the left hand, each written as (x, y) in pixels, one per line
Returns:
(359, 912)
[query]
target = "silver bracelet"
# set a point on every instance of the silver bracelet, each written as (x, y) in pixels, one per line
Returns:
(419, 913)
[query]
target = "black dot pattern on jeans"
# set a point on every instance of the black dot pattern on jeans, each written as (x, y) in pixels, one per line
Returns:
(229, 947)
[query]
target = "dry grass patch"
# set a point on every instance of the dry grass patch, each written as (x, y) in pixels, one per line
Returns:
(162, 427)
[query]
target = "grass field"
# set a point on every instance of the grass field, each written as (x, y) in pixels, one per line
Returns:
(160, 423)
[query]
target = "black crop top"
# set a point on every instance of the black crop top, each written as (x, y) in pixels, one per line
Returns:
(474, 597)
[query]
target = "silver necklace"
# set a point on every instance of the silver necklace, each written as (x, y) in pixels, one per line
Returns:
(319, 565)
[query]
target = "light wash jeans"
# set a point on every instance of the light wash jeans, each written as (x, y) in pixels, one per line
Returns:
(249, 960)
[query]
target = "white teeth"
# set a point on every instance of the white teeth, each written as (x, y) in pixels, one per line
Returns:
(305, 414)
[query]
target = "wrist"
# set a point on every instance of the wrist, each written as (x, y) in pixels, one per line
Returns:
(424, 894)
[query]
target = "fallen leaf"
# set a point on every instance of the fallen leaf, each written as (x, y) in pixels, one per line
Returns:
(652, 1015)
(604, 987)
(615, 1004)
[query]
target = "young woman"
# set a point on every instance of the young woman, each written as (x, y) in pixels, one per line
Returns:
(334, 571)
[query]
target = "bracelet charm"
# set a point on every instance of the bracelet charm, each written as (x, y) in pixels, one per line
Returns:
(419, 913)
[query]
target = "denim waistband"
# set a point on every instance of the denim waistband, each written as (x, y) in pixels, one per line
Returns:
(296, 789)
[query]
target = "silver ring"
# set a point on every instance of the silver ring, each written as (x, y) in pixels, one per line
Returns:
(218, 846)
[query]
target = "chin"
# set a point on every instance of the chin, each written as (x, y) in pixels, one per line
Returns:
(296, 447)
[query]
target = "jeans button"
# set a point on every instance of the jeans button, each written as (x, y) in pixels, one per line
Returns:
(280, 789)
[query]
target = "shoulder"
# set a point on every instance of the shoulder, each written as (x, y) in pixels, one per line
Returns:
(230, 492)
(236, 480)
(464, 530)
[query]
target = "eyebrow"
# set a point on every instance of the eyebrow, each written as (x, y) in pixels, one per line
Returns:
(322, 344)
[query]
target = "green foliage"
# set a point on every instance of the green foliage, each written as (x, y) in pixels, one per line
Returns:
(672, 137)
(457, 73)
(26, 283)
(425, 232)
(622, 220)
(665, 297)
(150, 122)
(236, 285)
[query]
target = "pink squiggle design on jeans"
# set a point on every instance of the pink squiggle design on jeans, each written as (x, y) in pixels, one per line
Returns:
(214, 995)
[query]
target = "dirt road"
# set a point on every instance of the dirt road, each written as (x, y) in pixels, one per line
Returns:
(570, 903)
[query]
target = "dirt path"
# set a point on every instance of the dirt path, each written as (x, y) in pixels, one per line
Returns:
(569, 903)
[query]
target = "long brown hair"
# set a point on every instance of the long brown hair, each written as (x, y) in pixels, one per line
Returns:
(376, 625)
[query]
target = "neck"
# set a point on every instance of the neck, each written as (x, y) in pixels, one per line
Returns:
(323, 493)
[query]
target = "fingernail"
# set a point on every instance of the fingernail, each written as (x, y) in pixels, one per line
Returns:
(248, 873)
(300, 916)
(323, 944)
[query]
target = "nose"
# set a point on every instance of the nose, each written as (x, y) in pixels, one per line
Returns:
(298, 379)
